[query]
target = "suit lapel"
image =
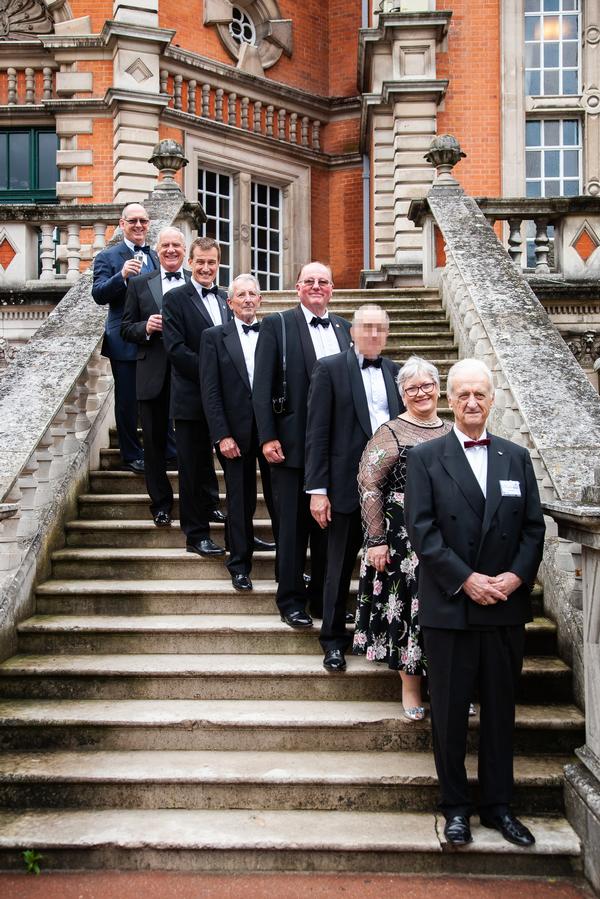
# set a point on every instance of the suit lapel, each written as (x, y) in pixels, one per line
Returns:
(498, 468)
(197, 301)
(359, 398)
(454, 461)
(231, 339)
(393, 397)
(224, 308)
(308, 350)
(155, 287)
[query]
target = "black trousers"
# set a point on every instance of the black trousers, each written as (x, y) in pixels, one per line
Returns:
(198, 488)
(126, 410)
(154, 417)
(460, 663)
(240, 483)
(343, 543)
(296, 528)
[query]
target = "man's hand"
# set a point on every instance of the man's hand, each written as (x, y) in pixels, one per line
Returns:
(379, 557)
(229, 448)
(273, 452)
(507, 582)
(154, 323)
(483, 589)
(131, 267)
(320, 508)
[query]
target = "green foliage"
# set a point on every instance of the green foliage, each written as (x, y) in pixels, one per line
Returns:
(32, 861)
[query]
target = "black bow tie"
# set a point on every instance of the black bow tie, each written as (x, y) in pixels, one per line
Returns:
(145, 249)
(316, 321)
(247, 328)
(376, 363)
(469, 443)
(206, 291)
(170, 275)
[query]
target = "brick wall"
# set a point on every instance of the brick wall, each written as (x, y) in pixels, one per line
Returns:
(98, 11)
(336, 212)
(101, 173)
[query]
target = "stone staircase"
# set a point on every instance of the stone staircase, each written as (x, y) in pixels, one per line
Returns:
(153, 717)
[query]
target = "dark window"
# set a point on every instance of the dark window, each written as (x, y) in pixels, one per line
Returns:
(28, 172)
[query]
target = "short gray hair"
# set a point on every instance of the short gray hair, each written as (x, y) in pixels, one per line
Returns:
(415, 365)
(242, 277)
(170, 228)
(369, 307)
(466, 366)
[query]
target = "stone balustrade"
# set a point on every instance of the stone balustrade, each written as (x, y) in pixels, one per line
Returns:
(23, 85)
(206, 98)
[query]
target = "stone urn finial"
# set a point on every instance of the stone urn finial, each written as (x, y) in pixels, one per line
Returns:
(444, 152)
(168, 158)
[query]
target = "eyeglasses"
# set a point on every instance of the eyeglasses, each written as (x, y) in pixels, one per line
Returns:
(427, 389)
(320, 282)
(135, 220)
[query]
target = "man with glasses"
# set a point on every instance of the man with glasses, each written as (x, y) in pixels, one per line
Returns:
(113, 269)
(310, 334)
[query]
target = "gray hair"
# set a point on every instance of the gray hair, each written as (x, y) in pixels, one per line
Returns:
(170, 228)
(369, 307)
(415, 365)
(242, 277)
(468, 366)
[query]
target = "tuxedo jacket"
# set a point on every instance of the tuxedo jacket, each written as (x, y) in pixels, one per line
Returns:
(185, 317)
(290, 427)
(145, 298)
(226, 391)
(109, 287)
(455, 531)
(339, 425)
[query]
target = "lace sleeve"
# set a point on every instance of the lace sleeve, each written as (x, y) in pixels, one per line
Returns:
(378, 459)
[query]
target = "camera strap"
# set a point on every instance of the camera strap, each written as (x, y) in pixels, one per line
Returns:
(283, 355)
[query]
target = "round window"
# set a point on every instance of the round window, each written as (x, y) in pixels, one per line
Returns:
(242, 28)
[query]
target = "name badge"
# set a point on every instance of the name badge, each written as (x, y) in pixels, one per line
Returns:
(510, 488)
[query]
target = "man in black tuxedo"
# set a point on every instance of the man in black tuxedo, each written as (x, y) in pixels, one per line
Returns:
(350, 396)
(114, 268)
(227, 372)
(310, 334)
(187, 312)
(474, 519)
(142, 325)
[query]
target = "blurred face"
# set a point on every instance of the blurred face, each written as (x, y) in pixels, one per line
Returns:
(205, 265)
(421, 395)
(315, 287)
(245, 301)
(171, 250)
(135, 223)
(471, 401)
(370, 333)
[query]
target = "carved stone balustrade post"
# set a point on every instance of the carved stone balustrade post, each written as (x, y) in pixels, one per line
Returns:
(44, 458)
(542, 246)
(47, 75)
(164, 81)
(12, 86)
(58, 432)
(281, 124)
(177, 84)
(82, 422)
(28, 485)
(219, 104)
(206, 100)
(232, 109)
(73, 252)
(258, 116)
(47, 253)
(304, 138)
(191, 104)
(316, 135)
(29, 86)
(293, 127)
(71, 411)
(515, 243)
(10, 514)
(99, 238)
(270, 111)
(94, 372)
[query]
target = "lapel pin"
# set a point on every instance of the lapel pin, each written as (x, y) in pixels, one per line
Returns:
(500, 452)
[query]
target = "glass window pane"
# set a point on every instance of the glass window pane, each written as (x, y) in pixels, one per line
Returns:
(552, 164)
(551, 82)
(532, 5)
(210, 206)
(570, 4)
(224, 184)
(532, 28)
(533, 133)
(274, 219)
(261, 262)
(551, 28)
(47, 172)
(532, 84)
(551, 134)
(274, 197)
(261, 193)
(3, 162)
(551, 5)
(551, 55)
(571, 164)
(533, 164)
(261, 238)
(224, 255)
(223, 232)
(532, 56)
(552, 188)
(18, 161)
(274, 263)
(534, 189)
(570, 81)
(224, 207)
(274, 241)
(211, 181)
(261, 216)
(570, 54)
(569, 29)
(571, 188)
(571, 132)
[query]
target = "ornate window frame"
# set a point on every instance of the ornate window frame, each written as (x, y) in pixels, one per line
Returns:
(273, 34)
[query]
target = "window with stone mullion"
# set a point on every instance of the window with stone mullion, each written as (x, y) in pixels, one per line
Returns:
(266, 235)
(215, 195)
(552, 47)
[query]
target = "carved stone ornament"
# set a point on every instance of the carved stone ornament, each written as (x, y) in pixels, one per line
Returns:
(168, 158)
(252, 31)
(7, 352)
(444, 152)
(22, 20)
(585, 347)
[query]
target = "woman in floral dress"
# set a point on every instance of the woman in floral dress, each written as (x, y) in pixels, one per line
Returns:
(387, 626)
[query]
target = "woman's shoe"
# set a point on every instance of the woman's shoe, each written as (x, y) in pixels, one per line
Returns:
(416, 713)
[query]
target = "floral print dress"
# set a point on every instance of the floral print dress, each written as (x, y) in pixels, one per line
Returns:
(387, 626)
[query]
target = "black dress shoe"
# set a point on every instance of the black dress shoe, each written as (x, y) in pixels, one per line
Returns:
(334, 660)
(136, 466)
(241, 582)
(217, 516)
(349, 619)
(297, 619)
(510, 828)
(458, 831)
(162, 520)
(205, 547)
(263, 546)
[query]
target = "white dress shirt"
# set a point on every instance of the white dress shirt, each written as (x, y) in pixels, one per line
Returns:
(168, 284)
(477, 457)
(210, 302)
(377, 401)
(248, 342)
(324, 340)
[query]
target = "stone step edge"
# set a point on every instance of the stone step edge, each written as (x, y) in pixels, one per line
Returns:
(124, 524)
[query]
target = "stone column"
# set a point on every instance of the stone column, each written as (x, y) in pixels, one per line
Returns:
(242, 254)
(591, 97)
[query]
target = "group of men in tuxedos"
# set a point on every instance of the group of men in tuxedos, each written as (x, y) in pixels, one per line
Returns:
(300, 395)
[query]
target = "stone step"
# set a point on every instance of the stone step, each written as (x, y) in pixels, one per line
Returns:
(255, 725)
(143, 534)
(219, 674)
(369, 781)
(134, 502)
(235, 840)
(154, 563)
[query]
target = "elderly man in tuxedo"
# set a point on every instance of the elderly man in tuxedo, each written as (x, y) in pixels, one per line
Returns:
(227, 372)
(351, 395)
(474, 519)
(187, 312)
(142, 325)
(280, 397)
(114, 267)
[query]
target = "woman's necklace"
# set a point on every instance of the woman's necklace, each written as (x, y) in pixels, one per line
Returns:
(420, 422)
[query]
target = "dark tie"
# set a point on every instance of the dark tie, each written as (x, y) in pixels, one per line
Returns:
(469, 443)
(247, 328)
(316, 321)
(170, 275)
(145, 249)
(206, 291)
(376, 363)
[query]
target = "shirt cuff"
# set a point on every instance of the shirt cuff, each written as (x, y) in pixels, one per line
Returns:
(318, 491)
